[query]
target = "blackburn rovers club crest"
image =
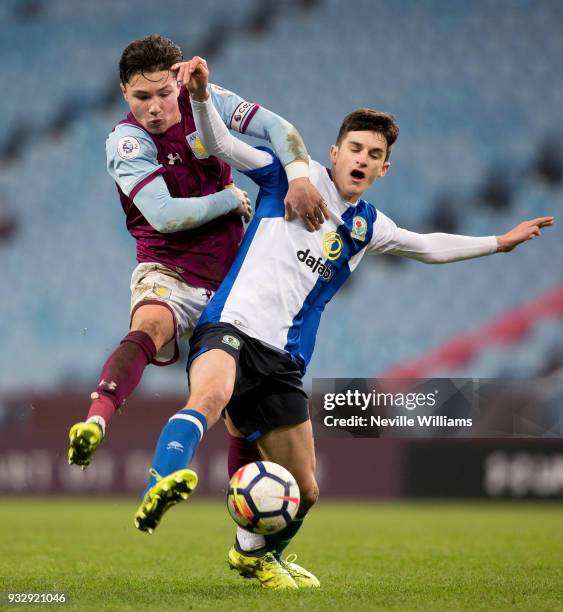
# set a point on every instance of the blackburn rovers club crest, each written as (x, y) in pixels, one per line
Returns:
(197, 146)
(332, 246)
(231, 341)
(128, 147)
(359, 228)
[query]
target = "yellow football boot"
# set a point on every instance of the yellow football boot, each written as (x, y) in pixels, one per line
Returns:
(167, 492)
(266, 569)
(84, 440)
(303, 578)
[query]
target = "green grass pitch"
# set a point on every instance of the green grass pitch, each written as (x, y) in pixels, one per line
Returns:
(368, 556)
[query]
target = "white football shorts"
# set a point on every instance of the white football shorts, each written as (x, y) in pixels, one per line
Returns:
(155, 283)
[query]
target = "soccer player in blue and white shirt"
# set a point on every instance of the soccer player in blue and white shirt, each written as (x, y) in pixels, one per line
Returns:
(256, 337)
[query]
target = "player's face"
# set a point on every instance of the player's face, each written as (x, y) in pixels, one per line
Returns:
(357, 162)
(153, 100)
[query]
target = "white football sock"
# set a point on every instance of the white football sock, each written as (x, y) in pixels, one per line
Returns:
(100, 421)
(249, 541)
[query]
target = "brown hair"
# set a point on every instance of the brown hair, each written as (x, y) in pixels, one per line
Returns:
(148, 54)
(369, 120)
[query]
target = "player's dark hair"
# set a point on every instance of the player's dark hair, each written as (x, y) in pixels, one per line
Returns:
(369, 120)
(149, 54)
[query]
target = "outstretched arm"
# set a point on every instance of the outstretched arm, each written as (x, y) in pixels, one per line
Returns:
(302, 199)
(446, 248)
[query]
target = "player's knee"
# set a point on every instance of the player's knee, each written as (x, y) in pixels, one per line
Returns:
(309, 496)
(210, 401)
(155, 329)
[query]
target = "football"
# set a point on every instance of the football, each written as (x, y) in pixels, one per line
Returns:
(263, 497)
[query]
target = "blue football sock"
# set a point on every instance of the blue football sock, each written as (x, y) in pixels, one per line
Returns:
(178, 443)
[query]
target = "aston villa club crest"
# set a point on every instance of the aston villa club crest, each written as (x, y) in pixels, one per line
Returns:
(197, 146)
(359, 228)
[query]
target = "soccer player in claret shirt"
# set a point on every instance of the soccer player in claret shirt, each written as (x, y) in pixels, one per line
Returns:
(253, 341)
(184, 212)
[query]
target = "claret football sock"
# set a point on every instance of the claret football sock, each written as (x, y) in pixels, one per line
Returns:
(178, 443)
(121, 374)
(278, 542)
(241, 452)
(102, 408)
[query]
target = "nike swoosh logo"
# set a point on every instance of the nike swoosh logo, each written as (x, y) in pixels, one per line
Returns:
(295, 500)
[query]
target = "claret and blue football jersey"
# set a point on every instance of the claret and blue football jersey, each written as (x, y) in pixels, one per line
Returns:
(200, 255)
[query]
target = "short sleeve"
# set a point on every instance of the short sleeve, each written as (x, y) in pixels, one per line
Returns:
(235, 112)
(131, 158)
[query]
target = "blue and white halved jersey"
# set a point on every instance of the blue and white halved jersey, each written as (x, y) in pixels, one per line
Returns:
(283, 275)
